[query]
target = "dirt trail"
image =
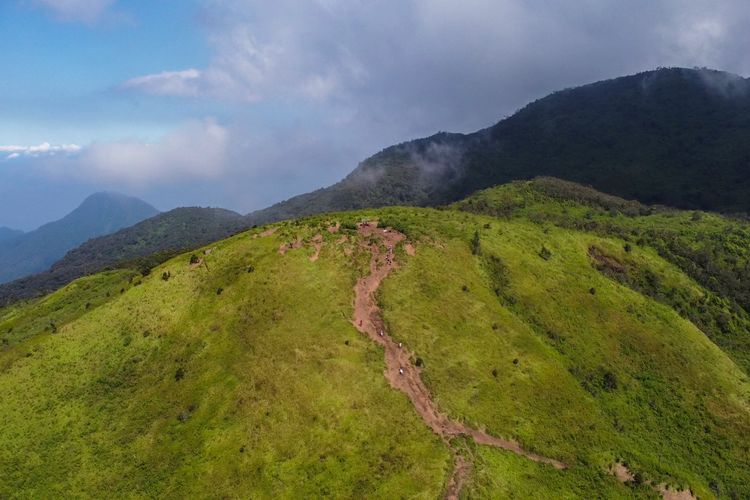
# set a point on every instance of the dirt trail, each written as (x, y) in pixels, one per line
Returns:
(400, 372)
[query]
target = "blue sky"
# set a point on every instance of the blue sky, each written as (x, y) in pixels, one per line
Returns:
(62, 75)
(242, 103)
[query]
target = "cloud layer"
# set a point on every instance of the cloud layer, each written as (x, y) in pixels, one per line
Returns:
(196, 150)
(44, 149)
(85, 11)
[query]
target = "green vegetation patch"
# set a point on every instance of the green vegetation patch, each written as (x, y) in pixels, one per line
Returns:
(170, 389)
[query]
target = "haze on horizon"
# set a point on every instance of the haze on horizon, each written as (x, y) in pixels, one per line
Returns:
(241, 103)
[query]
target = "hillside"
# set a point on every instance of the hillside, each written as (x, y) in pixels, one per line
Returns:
(7, 233)
(150, 241)
(99, 214)
(678, 137)
(489, 353)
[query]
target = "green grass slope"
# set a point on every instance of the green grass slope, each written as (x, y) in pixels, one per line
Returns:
(243, 377)
(172, 389)
(712, 250)
(573, 364)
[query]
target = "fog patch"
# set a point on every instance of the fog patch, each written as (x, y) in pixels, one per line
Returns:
(727, 85)
(437, 162)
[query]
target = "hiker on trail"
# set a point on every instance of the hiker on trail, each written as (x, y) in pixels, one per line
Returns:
(360, 322)
(401, 371)
(399, 345)
(381, 333)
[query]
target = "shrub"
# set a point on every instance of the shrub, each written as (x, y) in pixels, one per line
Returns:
(419, 362)
(592, 290)
(609, 381)
(545, 253)
(465, 288)
(219, 291)
(166, 275)
(179, 374)
(194, 259)
(638, 478)
(476, 244)
(628, 248)
(250, 269)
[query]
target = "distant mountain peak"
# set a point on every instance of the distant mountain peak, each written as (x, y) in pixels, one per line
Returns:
(7, 233)
(99, 214)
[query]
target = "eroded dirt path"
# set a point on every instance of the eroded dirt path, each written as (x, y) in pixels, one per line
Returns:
(400, 372)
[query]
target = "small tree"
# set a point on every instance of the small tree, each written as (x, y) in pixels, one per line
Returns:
(194, 259)
(476, 243)
(609, 381)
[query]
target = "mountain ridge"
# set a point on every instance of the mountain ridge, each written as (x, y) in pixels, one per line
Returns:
(7, 233)
(673, 136)
(140, 245)
(100, 213)
(628, 136)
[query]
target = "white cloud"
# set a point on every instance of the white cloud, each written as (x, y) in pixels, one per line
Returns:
(184, 83)
(197, 150)
(43, 149)
(85, 11)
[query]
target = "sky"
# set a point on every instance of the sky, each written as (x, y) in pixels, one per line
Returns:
(243, 103)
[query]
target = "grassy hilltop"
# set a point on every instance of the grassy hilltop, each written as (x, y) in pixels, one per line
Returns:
(577, 324)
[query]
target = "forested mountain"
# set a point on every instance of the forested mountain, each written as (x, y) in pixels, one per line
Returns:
(678, 137)
(99, 214)
(7, 233)
(151, 240)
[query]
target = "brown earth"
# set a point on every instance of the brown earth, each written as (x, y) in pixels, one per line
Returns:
(401, 372)
(624, 475)
(318, 244)
(461, 472)
(267, 232)
(285, 247)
